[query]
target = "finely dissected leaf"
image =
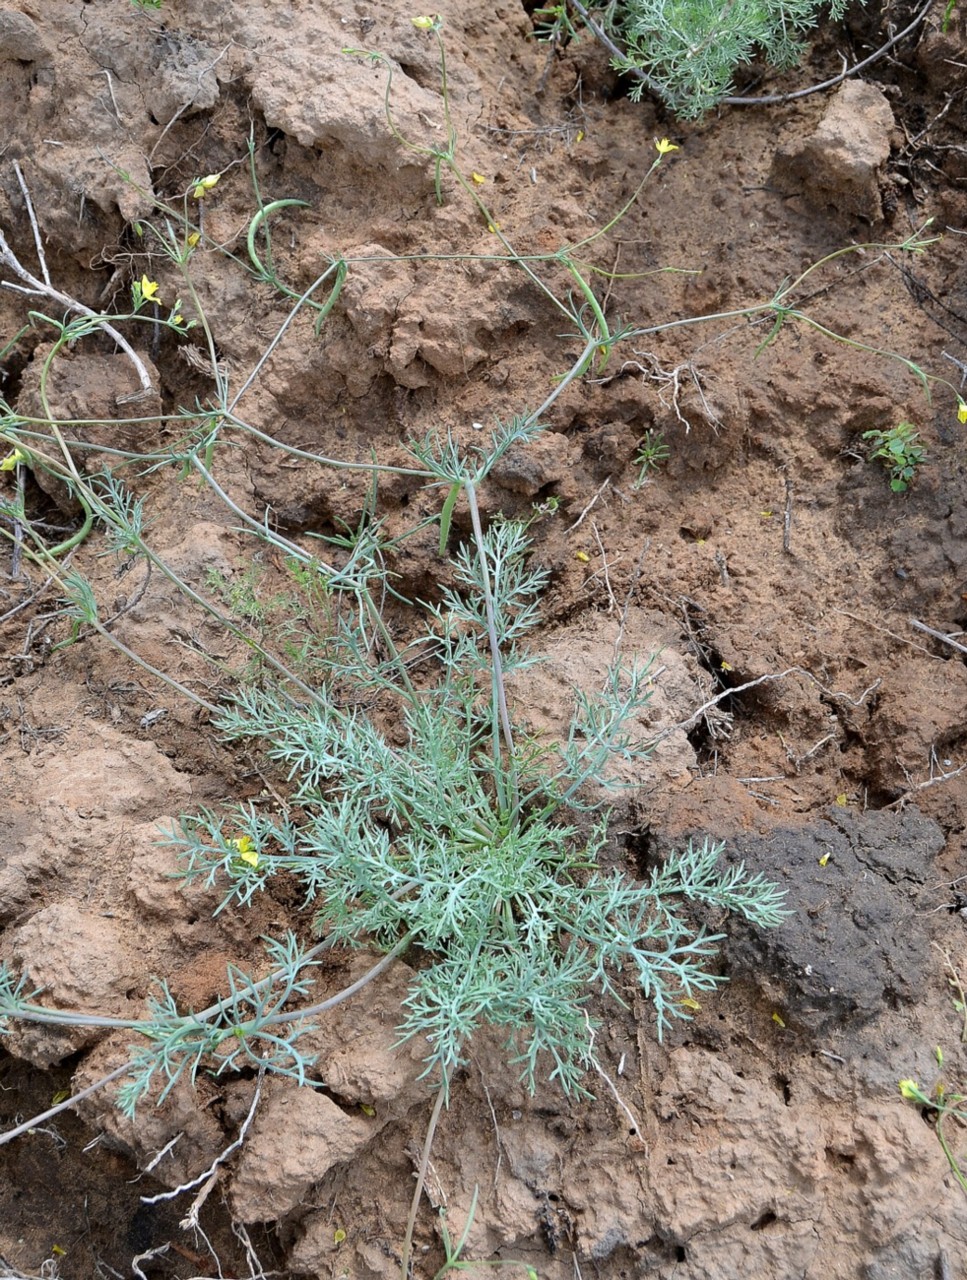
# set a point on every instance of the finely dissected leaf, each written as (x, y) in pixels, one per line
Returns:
(689, 49)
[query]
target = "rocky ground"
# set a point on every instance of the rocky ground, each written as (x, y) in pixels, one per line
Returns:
(766, 558)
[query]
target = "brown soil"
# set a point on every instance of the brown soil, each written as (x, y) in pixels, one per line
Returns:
(771, 1139)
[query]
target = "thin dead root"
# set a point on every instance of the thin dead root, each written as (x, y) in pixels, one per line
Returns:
(207, 1179)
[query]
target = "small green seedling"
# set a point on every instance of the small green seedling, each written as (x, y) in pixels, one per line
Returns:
(652, 453)
(900, 451)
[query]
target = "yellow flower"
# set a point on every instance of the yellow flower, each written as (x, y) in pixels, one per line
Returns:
(193, 239)
(244, 846)
(204, 185)
(426, 22)
(961, 411)
(149, 290)
(11, 461)
(664, 146)
(911, 1091)
(493, 227)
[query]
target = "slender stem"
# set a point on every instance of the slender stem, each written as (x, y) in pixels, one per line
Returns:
(421, 1179)
(49, 1114)
(154, 671)
(346, 993)
(951, 1158)
(500, 693)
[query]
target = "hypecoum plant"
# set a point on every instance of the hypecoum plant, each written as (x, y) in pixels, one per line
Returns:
(421, 820)
(456, 840)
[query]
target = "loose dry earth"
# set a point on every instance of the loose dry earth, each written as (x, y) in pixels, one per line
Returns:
(771, 1138)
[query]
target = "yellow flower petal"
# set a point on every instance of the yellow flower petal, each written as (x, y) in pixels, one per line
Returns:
(962, 412)
(245, 848)
(664, 146)
(478, 178)
(204, 185)
(12, 459)
(911, 1091)
(149, 290)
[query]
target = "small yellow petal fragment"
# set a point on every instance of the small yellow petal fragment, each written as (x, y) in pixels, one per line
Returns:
(478, 178)
(57, 1251)
(60, 1096)
(245, 848)
(842, 800)
(777, 1020)
(726, 666)
(367, 1110)
(766, 515)
(338, 1236)
(204, 185)
(10, 462)
(493, 227)
(580, 136)
(824, 859)
(689, 1003)
(582, 556)
(193, 239)
(962, 412)
(664, 146)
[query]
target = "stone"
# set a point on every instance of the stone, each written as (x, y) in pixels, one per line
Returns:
(20, 38)
(841, 163)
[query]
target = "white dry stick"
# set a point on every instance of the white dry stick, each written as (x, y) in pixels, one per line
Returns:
(156, 1160)
(938, 635)
(33, 287)
(751, 684)
(572, 527)
(593, 1059)
(208, 1177)
(147, 1257)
